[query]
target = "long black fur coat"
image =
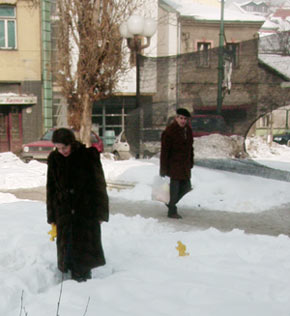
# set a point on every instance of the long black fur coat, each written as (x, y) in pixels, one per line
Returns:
(77, 201)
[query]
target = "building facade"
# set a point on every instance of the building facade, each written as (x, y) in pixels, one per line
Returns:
(189, 78)
(20, 76)
(183, 74)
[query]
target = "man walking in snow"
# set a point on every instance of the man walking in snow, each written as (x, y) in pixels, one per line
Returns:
(176, 159)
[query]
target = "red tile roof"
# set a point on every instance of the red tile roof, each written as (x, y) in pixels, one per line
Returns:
(282, 13)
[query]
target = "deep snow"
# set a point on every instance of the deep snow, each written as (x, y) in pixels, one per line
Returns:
(225, 273)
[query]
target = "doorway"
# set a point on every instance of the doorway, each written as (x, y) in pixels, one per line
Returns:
(10, 129)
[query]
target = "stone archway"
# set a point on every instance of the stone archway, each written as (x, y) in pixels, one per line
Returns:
(271, 123)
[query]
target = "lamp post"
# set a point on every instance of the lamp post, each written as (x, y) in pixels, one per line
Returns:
(135, 29)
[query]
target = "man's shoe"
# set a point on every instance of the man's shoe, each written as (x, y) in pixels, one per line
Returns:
(175, 215)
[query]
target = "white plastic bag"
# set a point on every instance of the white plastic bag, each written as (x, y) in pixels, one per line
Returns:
(160, 189)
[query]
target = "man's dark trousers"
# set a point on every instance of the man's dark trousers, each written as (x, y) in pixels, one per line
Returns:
(178, 188)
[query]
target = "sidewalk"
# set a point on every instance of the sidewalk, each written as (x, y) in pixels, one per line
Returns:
(244, 166)
(272, 222)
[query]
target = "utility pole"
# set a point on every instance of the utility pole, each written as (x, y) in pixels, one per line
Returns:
(221, 61)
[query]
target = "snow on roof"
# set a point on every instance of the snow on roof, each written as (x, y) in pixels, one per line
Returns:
(210, 12)
(283, 24)
(254, 2)
(270, 25)
(227, 2)
(236, 7)
(278, 62)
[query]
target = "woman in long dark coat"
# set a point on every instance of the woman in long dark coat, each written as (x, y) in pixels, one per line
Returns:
(77, 202)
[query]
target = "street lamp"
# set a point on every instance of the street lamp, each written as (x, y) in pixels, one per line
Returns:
(135, 29)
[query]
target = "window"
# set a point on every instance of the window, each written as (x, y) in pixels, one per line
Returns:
(7, 27)
(233, 51)
(111, 114)
(264, 9)
(203, 49)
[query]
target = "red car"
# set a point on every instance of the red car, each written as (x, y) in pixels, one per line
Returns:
(39, 150)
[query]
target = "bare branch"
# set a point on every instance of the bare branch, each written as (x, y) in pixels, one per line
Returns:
(60, 295)
(87, 306)
(91, 57)
(22, 308)
(21, 305)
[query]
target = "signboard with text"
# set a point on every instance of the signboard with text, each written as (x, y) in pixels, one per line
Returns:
(17, 99)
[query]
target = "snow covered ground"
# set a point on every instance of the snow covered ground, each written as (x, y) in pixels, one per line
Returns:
(224, 274)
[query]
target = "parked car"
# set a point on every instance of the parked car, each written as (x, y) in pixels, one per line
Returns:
(40, 149)
(282, 139)
(203, 125)
(121, 147)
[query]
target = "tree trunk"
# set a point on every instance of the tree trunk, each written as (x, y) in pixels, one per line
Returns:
(74, 112)
(86, 121)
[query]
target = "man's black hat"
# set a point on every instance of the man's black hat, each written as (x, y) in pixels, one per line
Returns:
(182, 111)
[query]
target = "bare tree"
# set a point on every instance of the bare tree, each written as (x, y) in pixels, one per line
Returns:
(284, 42)
(90, 58)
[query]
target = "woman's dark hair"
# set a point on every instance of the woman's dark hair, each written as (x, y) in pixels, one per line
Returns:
(63, 136)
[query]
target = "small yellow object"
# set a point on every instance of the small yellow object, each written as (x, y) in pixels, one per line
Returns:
(181, 248)
(53, 232)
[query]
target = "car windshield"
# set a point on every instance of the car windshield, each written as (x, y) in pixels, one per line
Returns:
(208, 124)
(47, 135)
(123, 138)
(94, 138)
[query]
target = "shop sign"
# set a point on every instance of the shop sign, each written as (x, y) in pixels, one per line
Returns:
(17, 99)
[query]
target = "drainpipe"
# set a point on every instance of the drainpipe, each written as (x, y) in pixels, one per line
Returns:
(177, 61)
(46, 63)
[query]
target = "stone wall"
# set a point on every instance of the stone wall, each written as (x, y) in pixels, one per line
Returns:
(181, 82)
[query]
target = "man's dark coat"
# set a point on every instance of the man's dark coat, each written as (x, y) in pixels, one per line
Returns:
(76, 201)
(176, 158)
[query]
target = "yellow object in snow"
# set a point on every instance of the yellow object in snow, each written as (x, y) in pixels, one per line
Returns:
(181, 248)
(53, 232)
